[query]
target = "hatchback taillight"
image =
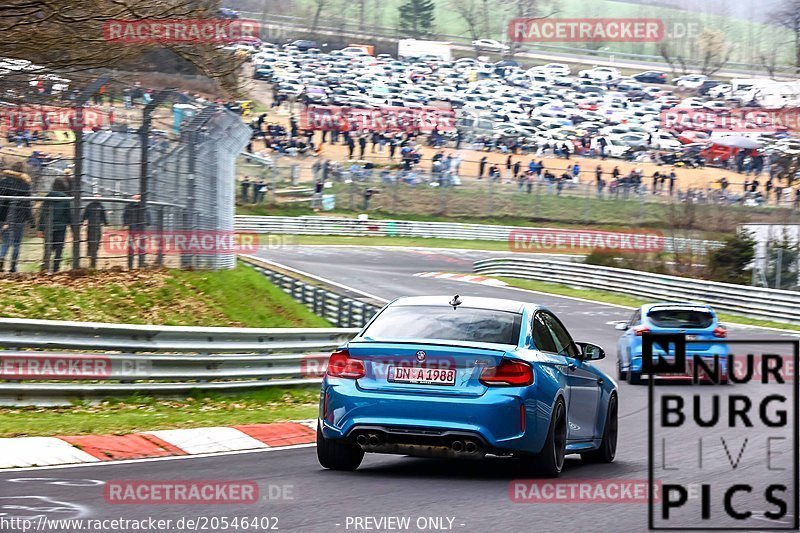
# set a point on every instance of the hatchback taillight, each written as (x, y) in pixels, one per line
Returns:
(341, 365)
(508, 374)
(720, 332)
(640, 330)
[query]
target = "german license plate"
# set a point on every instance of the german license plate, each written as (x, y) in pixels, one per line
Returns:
(422, 376)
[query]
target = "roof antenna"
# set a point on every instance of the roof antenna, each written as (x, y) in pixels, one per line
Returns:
(456, 301)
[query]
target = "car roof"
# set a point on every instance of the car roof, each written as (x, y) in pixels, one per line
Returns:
(472, 302)
(676, 305)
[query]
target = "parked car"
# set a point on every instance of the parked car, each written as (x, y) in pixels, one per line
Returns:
(600, 73)
(651, 76)
(698, 322)
(556, 69)
(465, 377)
(707, 85)
(490, 45)
(690, 81)
(304, 45)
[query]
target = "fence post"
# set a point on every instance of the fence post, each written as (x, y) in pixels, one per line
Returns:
(160, 233)
(48, 233)
(77, 177)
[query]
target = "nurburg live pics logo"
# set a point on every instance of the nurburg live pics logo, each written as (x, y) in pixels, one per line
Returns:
(726, 455)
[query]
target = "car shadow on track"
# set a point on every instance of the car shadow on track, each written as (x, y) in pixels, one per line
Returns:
(491, 468)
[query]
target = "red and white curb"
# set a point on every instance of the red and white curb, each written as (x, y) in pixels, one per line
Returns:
(47, 451)
(470, 278)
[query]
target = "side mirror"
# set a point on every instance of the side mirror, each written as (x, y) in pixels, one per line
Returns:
(591, 352)
(621, 326)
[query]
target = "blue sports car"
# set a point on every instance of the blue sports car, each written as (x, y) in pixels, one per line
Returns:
(698, 322)
(462, 378)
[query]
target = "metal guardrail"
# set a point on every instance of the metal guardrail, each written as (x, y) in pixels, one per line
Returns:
(755, 302)
(45, 362)
(339, 310)
(351, 227)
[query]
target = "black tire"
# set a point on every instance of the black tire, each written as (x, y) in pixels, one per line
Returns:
(550, 461)
(608, 445)
(338, 454)
(634, 378)
(621, 376)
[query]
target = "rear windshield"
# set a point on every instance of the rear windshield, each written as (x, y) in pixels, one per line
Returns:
(424, 322)
(681, 318)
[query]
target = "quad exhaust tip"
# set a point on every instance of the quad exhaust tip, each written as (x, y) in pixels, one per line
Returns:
(362, 440)
(470, 447)
(457, 446)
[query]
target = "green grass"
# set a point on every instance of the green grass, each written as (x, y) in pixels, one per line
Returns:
(419, 242)
(556, 216)
(238, 297)
(608, 297)
(147, 414)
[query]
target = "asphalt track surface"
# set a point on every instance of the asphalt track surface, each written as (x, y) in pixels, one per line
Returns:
(475, 495)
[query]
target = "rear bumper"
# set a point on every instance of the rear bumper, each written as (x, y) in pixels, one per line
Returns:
(707, 355)
(493, 419)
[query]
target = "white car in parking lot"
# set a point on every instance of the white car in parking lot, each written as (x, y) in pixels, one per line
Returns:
(490, 45)
(690, 81)
(556, 69)
(600, 73)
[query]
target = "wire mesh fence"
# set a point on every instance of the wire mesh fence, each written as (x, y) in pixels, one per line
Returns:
(145, 186)
(583, 200)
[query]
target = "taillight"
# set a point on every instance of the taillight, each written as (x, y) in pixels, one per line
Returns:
(522, 418)
(720, 332)
(508, 373)
(639, 330)
(341, 365)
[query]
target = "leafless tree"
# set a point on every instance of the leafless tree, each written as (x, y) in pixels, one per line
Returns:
(68, 35)
(715, 51)
(788, 16)
(319, 7)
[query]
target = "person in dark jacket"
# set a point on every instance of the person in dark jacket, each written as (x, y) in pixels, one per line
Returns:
(95, 217)
(54, 217)
(137, 224)
(14, 214)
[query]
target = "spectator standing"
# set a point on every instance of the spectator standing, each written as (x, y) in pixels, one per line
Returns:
(602, 143)
(362, 145)
(245, 188)
(95, 217)
(672, 178)
(482, 167)
(136, 222)
(14, 214)
(54, 217)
